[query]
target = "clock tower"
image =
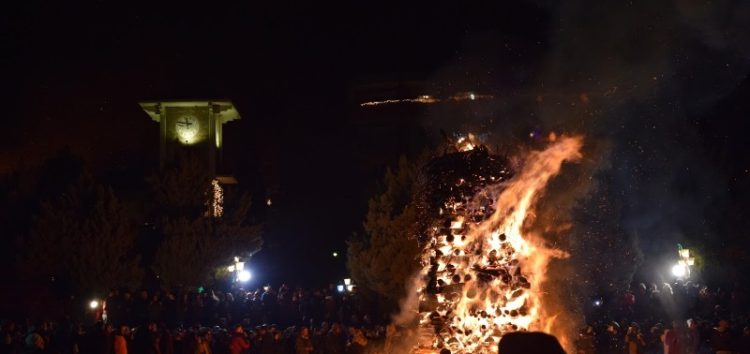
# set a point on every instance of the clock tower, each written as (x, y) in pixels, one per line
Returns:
(191, 123)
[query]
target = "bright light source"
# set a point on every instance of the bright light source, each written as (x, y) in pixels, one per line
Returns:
(268, 202)
(457, 224)
(684, 253)
(679, 270)
(230, 269)
(240, 266)
(597, 302)
(266, 288)
(472, 96)
(350, 287)
(340, 288)
(335, 254)
(94, 304)
(347, 281)
(236, 259)
(244, 276)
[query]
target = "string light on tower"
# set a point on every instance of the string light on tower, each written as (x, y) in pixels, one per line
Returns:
(217, 203)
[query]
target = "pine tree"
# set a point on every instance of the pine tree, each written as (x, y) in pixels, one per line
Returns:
(83, 239)
(192, 242)
(382, 261)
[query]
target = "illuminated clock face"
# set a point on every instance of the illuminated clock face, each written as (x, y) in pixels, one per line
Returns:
(187, 129)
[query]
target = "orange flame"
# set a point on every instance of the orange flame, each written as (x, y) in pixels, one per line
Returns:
(494, 268)
(466, 143)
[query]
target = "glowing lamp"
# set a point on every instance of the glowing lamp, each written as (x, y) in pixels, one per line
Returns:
(684, 253)
(240, 266)
(347, 281)
(244, 276)
(679, 270)
(230, 269)
(340, 288)
(350, 287)
(335, 254)
(93, 304)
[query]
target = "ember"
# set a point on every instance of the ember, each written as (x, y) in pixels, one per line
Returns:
(483, 272)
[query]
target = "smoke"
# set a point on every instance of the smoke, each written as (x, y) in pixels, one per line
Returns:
(635, 78)
(648, 69)
(409, 306)
(400, 334)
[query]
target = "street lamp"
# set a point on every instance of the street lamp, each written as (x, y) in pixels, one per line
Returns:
(348, 286)
(238, 268)
(682, 268)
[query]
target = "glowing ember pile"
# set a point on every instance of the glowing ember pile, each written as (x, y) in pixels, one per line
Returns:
(483, 272)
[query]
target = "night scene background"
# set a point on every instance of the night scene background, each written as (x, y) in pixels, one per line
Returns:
(658, 89)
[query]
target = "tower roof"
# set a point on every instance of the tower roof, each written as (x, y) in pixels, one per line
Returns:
(227, 111)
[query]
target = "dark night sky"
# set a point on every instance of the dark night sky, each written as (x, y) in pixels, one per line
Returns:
(77, 71)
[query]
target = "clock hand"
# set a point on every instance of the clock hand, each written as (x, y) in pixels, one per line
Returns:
(186, 123)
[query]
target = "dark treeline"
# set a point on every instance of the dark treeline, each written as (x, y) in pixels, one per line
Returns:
(72, 232)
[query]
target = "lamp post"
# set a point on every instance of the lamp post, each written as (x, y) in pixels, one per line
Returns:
(348, 286)
(238, 268)
(681, 270)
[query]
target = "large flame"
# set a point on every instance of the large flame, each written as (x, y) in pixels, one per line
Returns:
(490, 269)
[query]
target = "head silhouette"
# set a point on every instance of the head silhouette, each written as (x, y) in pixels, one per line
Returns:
(529, 342)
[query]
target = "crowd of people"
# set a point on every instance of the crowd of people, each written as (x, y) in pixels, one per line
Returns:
(684, 318)
(152, 339)
(264, 321)
(676, 318)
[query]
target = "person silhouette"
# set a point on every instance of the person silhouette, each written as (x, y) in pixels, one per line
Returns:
(528, 343)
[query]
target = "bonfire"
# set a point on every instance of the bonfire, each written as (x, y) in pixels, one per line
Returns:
(482, 271)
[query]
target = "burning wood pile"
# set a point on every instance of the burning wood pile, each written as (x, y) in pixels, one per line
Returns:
(482, 272)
